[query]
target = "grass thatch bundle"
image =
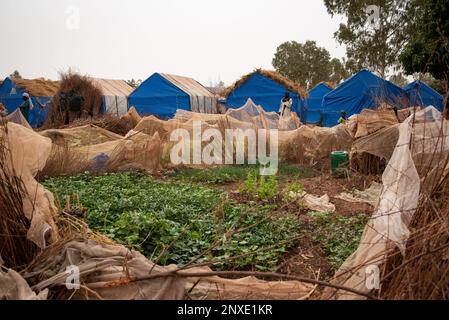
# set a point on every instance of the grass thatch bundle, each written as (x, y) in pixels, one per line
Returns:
(38, 87)
(107, 122)
(16, 251)
(74, 85)
(287, 83)
(65, 161)
(423, 273)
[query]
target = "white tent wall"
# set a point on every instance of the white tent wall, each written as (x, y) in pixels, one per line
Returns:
(115, 93)
(116, 105)
(201, 100)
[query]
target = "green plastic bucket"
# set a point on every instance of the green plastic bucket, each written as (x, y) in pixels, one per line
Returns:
(340, 163)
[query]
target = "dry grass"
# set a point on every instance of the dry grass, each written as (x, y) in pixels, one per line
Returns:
(423, 273)
(107, 122)
(63, 160)
(38, 87)
(287, 83)
(16, 250)
(82, 85)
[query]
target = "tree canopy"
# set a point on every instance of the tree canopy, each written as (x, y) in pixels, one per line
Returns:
(374, 32)
(428, 50)
(308, 64)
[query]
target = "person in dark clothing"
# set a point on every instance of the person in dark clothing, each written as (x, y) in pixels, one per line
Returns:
(343, 119)
(26, 106)
(71, 102)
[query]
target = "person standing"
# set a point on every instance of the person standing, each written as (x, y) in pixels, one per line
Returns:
(26, 106)
(343, 118)
(286, 106)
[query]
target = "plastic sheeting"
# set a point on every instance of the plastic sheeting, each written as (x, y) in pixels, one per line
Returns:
(420, 94)
(314, 102)
(264, 92)
(11, 98)
(364, 90)
(14, 287)
(161, 95)
(420, 153)
(29, 152)
(115, 95)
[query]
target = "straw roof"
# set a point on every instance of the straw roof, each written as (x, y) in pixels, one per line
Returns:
(38, 87)
(273, 75)
(113, 88)
(188, 85)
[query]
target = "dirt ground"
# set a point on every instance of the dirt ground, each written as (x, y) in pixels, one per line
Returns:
(307, 258)
(327, 184)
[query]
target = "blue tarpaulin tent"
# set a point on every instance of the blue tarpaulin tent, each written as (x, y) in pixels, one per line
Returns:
(364, 90)
(11, 98)
(266, 88)
(315, 101)
(420, 94)
(162, 94)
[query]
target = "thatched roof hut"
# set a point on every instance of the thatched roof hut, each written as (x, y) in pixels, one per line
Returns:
(266, 88)
(273, 75)
(38, 87)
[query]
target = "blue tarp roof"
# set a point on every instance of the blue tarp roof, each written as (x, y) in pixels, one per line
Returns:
(315, 101)
(158, 96)
(420, 94)
(264, 92)
(11, 98)
(364, 90)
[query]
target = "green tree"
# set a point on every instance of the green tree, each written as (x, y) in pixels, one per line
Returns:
(428, 49)
(307, 64)
(134, 83)
(399, 79)
(15, 75)
(340, 71)
(374, 31)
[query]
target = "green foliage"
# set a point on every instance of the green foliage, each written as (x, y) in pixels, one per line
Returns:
(228, 174)
(149, 215)
(259, 187)
(372, 41)
(267, 188)
(134, 83)
(339, 236)
(294, 187)
(15, 75)
(399, 80)
(307, 64)
(428, 49)
(251, 182)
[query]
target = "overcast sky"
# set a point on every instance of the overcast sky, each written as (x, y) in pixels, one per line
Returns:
(204, 39)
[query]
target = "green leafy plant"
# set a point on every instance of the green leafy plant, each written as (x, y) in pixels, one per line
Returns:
(251, 182)
(295, 188)
(339, 236)
(267, 188)
(149, 216)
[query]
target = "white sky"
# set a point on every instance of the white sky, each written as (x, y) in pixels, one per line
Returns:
(204, 39)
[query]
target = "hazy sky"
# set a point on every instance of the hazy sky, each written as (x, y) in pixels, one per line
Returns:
(204, 39)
